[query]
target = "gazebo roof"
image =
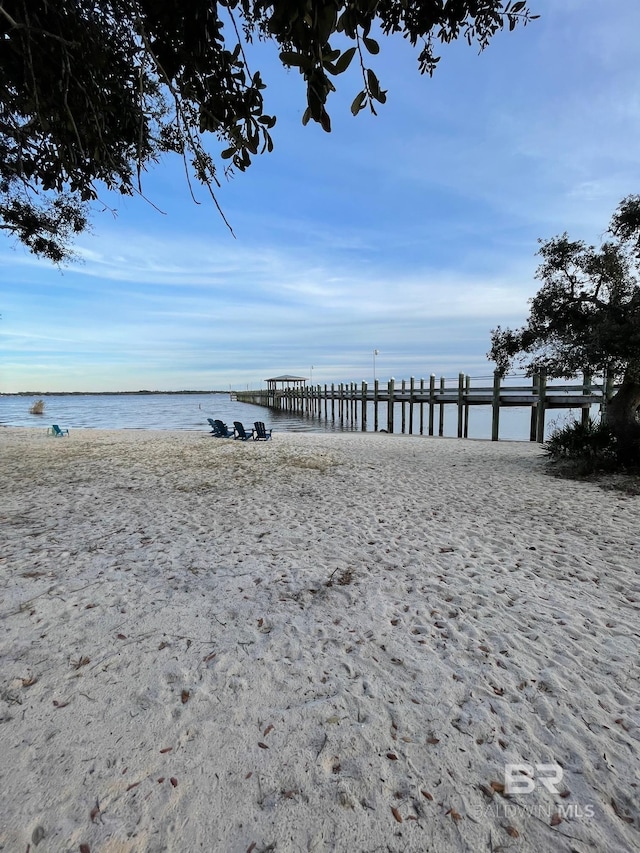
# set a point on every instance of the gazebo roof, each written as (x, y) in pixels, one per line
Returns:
(287, 378)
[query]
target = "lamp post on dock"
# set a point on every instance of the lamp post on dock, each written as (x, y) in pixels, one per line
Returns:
(311, 376)
(375, 353)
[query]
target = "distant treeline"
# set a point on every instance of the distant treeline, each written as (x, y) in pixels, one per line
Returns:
(97, 393)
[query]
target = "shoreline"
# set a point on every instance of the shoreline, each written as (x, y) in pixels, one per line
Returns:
(325, 642)
(204, 433)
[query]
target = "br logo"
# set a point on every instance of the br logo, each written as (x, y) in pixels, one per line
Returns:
(522, 778)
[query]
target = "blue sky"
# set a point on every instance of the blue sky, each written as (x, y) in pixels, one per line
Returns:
(413, 232)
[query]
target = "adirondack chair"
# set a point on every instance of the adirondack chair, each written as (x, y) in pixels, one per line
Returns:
(241, 432)
(261, 432)
(56, 431)
(222, 430)
(212, 424)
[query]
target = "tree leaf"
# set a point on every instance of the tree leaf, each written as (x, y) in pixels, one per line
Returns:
(372, 82)
(345, 60)
(371, 45)
(358, 102)
(290, 58)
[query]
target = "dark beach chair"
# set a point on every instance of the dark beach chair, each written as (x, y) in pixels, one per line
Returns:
(212, 424)
(261, 432)
(55, 430)
(241, 432)
(222, 431)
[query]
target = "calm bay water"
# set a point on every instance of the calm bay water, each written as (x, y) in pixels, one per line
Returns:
(143, 411)
(190, 412)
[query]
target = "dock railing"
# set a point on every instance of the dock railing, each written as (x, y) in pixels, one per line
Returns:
(345, 401)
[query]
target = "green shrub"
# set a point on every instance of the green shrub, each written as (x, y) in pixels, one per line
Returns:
(591, 446)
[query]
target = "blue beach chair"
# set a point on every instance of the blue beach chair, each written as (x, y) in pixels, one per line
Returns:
(221, 430)
(56, 431)
(241, 432)
(261, 432)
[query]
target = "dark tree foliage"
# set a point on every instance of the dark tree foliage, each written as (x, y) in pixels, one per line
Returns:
(93, 91)
(586, 317)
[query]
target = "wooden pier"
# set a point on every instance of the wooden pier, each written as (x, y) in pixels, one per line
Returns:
(421, 404)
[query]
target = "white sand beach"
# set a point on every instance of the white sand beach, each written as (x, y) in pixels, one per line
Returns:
(319, 643)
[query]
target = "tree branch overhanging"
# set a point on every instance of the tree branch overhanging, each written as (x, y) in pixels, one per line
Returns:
(93, 91)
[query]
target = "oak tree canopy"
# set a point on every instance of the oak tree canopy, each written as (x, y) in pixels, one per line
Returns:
(94, 91)
(586, 317)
